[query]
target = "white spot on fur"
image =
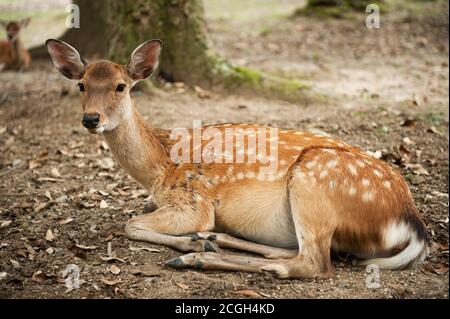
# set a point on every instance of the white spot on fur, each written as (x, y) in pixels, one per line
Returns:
(240, 175)
(365, 182)
(387, 184)
(332, 163)
(352, 191)
(377, 173)
(323, 174)
(332, 184)
(368, 196)
(352, 169)
(310, 164)
(360, 163)
(250, 174)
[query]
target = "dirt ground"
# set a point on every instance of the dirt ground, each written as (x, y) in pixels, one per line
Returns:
(386, 91)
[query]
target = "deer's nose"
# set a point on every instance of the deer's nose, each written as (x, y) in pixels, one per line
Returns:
(90, 120)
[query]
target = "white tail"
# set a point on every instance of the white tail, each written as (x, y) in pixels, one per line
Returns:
(321, 192)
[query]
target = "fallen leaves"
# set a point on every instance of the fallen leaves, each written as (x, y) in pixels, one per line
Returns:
(150, 250)
(182, 286)
(417, 169)
(66, 221)
(110, 282)
(40, 277)
(55, 173)
(248, 293)
(49, 235)
(148, 271)
(84, 247)
(114, 270)
(5, 224)
(103, 204)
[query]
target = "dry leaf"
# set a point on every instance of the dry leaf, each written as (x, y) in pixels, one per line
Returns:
(5, 224)
(49, 179)
(404, 153)
(50, 251)
(434, 130)
(439, 194)
(146, 272)
(417, 169)
(40, 207)
(138, 193)
(114, 269)
(150, 250)
(55, 173)
(85, 247)
(113, 258)
(203, 94)
(14, 263)
(408, 141)
(182, 286)
(110, 282)
(247, 293)
(49, 235)
(66, 221)
(411, 123)
(103, 204)
(40, 277)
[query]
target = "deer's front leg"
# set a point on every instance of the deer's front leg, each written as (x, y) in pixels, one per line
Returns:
(166, 226)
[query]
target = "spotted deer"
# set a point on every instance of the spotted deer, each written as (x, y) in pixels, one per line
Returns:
(13, 53)
(323, 195)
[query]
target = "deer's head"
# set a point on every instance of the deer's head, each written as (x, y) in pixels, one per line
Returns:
(13, 28)
(105, 86)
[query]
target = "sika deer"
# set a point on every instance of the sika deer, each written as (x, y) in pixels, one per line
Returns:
(13, 54)
(323, 194)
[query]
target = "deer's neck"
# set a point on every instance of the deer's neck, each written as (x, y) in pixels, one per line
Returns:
(137, 149)
(17, 49)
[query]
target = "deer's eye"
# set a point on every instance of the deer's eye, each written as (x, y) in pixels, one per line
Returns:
(81, 87)
(120, 87)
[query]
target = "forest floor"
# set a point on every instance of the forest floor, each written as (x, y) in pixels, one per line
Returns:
(387, 91)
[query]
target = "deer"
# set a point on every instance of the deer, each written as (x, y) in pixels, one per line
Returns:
(322, 196)
(13, 53)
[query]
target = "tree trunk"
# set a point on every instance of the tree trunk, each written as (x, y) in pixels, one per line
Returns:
(114, 28)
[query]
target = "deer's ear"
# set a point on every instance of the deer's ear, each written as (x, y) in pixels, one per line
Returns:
(144, 60)
(66, 59)
(25, 22)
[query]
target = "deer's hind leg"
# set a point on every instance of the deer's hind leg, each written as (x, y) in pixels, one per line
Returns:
(313, 216)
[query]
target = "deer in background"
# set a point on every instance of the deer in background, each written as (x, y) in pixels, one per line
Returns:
(324, 194)
(13, 53)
